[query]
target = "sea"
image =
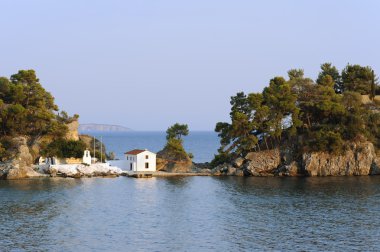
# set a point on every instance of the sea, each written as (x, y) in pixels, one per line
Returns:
(189, 213)
(202, 144)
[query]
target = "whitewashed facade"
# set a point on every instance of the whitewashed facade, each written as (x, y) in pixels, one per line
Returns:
(140, 161)
(87, 157)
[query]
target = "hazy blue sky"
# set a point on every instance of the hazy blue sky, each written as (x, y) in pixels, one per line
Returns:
(147, 64)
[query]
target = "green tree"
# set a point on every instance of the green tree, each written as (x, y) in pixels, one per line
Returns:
(358, 79)
(329, 69)
(296, 74)
(4, 88)
(239, 103)
(177, 131)
(2, 152)
(353, 120)
(321, 116)
(174, 149)
(240, 136)
(373, 86)
(65, 149)
(280, 99)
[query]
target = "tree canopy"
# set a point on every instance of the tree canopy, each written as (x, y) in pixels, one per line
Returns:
(358, 79)
(27, 109)
(314, 116)
(174, 146)
(177, 131)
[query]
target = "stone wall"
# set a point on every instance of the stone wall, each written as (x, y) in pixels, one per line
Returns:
(69, 160)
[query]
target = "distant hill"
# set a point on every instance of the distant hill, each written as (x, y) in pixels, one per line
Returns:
(102, 127)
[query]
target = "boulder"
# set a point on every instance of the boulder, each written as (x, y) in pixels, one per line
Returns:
(81, 170)
(175, 166)
(239, 173)
(231, 171)
(216, 171)
(204, 171)
(238, 162)
(375, 167)
(291, 170)
(262, 163)
(222, 169)
(21, 165)
(357, 160)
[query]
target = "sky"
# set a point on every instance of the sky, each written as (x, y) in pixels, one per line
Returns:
(147, 64)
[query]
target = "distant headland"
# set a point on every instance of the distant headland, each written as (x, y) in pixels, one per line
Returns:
(102, 127)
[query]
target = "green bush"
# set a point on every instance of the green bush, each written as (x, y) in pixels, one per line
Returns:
(65, 149)
(174, 149)
(220, 158)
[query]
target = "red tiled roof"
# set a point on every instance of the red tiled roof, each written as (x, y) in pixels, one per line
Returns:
(134, 152)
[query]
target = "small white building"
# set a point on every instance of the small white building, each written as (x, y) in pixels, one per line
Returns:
(87, 157)
(140, 160)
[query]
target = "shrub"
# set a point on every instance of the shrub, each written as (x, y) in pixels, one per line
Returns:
(65, 149)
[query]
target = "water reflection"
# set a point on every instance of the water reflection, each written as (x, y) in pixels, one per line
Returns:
(190, 214)
(39, 184)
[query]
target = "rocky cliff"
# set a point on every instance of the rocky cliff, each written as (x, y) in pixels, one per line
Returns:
(21, 165)
(25, 151)
(358, 159)
(169, 163)
(72, 133)
(174, 165)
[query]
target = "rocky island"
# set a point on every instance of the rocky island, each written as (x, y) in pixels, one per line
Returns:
(32, 127)
(298, 127)
(90, 127)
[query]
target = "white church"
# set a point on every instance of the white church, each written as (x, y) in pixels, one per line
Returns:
(140, 161)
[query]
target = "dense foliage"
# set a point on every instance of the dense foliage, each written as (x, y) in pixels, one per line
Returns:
(27, 109)
(314, 116)
(62, 148)
(174, 146)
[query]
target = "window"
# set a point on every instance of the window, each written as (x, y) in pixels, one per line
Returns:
(146, 165)
(146, 157)
(130, 167)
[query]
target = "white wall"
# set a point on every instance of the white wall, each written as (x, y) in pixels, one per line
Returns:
(87, 157)
(138, 162)
(122, 164)
(141, 160)
(130, 160)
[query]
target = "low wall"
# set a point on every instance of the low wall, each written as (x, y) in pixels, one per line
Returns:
(122, 164)
(69, 161)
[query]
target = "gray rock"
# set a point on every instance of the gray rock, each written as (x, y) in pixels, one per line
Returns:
(375, 167)
(262, 163)
(238, 162)
(239, 172)
(21, 166)
(231, 171)
(291, 170)
(185, 166)
(357, 160)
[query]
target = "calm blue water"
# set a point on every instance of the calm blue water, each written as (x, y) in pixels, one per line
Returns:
(203, 144)
(191, 214)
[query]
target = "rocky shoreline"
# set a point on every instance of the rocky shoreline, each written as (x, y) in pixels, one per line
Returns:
(360, 159)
